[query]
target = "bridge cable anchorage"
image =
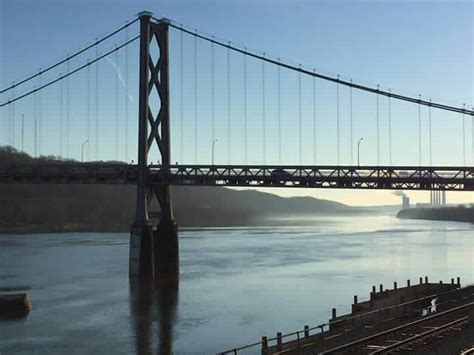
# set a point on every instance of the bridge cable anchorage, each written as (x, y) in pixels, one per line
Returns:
(68, 57)
(389, 129)
(61, 111)
(88, 109)
(195, 102)
(116, 109)
(279, 112)
(463, 138)
(378, 126)
(264, 118)
(351, 125)
(300, 121)
(229, 152)
(322, 76)
(419, 134)
(181, 97)
(28, 93)
(430, 131)
(126, 93)
(245, 111)
(337, 124)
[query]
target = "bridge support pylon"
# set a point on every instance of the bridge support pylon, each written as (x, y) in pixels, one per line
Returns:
(153, 252)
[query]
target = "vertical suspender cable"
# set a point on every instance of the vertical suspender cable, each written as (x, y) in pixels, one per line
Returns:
(463, 137)
(213, 94)
(389, 129)
(245, 111)
(351, 125)
(279, 111)
(13, 118)
(68, 109)
(228, 106)
(181, 97)
(264, 128)
(126, 96)
(35, 118)
(300, 121)
(96, 143)
(430, 135)
(472, 137)
(88, 109)
(378, 127)
(40, 115)
(9, 132)
(419, 134)
(338, 124)
(116, 107)
(195, 102)
(61, 111)
(314, 121)
(22, 132)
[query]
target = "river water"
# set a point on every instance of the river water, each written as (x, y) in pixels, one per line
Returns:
(236, 284)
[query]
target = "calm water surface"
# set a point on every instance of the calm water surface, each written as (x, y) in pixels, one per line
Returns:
(236, 284)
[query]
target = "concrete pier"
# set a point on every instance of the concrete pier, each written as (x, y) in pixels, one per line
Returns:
(141, 251)
(166, 258)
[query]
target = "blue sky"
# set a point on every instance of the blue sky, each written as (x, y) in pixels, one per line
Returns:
(417, 47)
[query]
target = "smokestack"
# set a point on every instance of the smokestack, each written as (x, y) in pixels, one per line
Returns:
(405, 198)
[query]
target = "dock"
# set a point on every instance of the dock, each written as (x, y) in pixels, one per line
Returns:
(426, 317)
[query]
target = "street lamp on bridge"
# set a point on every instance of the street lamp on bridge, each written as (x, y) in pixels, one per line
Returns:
(82, 149)
(213, 144)
(358, 150)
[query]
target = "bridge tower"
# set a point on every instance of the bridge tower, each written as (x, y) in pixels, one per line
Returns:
(153, 252)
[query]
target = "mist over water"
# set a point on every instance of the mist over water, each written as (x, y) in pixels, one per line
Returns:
(236, 284)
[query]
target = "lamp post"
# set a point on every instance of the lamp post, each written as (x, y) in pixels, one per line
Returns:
(213, 144)
(82, 149)
(358, 150)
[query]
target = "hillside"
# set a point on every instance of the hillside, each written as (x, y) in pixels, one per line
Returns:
(44, 208)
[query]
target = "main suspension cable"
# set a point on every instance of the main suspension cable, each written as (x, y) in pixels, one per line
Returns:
(322, 76)
(69, 74)
(68, 57)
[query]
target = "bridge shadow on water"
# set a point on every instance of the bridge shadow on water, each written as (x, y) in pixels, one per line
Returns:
(153, 306)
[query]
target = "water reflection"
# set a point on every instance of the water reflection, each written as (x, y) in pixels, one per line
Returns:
(153, 310)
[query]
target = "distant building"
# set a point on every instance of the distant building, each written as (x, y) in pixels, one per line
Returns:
(423, 205)
(405, 202)
(438, 198)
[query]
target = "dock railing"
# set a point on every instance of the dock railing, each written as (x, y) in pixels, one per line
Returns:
(303, 337)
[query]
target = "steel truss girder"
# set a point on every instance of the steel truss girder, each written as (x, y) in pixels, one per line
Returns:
(345, 177)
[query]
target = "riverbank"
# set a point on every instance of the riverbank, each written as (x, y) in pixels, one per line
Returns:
(455, 214)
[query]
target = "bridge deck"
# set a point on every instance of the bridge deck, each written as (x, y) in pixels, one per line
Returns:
(340, 177)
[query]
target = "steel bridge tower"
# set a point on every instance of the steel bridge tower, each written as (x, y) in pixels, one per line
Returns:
(153, 252)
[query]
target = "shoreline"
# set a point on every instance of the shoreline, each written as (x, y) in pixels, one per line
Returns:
(449, 214)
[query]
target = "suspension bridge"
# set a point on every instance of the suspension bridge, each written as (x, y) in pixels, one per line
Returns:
(275, 135)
